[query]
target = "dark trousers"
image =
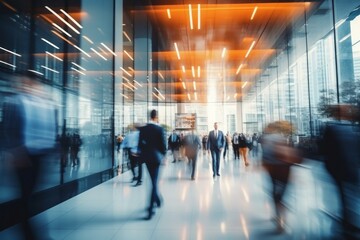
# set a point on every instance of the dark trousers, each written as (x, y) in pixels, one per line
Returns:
(279, 175)
(154, 176)
(236, 151)
(135, 162)
(193, 160)
(215, 155)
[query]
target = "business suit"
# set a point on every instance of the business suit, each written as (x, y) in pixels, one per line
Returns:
(152, 147)
(216, 144)
(192, 146)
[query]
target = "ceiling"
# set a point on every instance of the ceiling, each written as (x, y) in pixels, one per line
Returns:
(216, 51)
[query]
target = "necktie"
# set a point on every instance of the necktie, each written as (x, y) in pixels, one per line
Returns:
(215, 134)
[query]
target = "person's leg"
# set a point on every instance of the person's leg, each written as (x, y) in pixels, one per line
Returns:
(218, 154)
(132, 165)
(194, 159)
(213, 157)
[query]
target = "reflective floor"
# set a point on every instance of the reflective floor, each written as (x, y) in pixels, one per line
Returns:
(236, 205)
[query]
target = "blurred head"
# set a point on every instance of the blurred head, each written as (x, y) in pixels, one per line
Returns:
(215, 125)
(154, 115)
(344, 112)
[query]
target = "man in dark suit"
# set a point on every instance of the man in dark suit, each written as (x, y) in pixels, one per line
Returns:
(216, 143)
(152, 147)
(174, 145)
(192, 146)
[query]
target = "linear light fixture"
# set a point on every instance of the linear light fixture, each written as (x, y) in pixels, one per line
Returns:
(39, 73)
(189, 96)
(136, 82)
(7, 64)
(193, 71)
(98, 54)
(199, 17)
(54, 56)
(184, 86)
(50, 43)
(223, 53)
(88, 39)
(124, 96)
(59, 17)
(81, 50)
(127, 36)
(177, 51)
(235, 95)
(62, 30)
(168, 13)
(196, 98)
(183, 68)
(9, 6)
(191, 19)
(161, 75)
(61, 36)
(198, 71)
(76, 70)
(71, 18)
(77, 65)
(239, 68)
(254, 12)
(128, 55)
(126, 72)
(244, 84)
(251, 47)
(344, 38)
(131, 69)
(194, 85)
(156, 96)
(107, 48)
(127, 86)
(50, 69)
(162, 96)
(14, 53)
(103, 51)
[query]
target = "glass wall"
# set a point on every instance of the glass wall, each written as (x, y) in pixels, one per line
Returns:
(317, 64)
(69, 47)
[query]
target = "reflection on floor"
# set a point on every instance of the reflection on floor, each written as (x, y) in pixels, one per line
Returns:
(235, 205)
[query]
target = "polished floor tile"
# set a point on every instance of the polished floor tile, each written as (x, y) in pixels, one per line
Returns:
(236, 205)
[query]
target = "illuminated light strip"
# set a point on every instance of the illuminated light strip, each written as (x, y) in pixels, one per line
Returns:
(239, 68)
(9, 6)
(59, 17)
(124, 96)
(235, 95)
(196, 96)
(223, 52)
(39, 73)
(71, 18)
(199, 17)
(78, 71)
(50, 69)
(128, 55)
(183, 68)
(88, 39)
(81, 50)
(184, 86)
(161, 75)
(244, 227)
(194, 84)
(60, 36)
(131, 69)
(98, 54)
(62, 30)
(8, 64)
(14, 53)
(198, 71)
(126, 72)
(107, 48)
(127, 36)
(168, 13)
(125, 78)
(244, 85)
(177, 51)
(136, 82)
(132, 85)
(162, 96)
(78, 66)
(189, 96)
(254, 12)
(251, 47)
(50, 43)
(103, 51)
(344, 38)
(193, 71)
(156, 96)
(128, 87)
(339, 23)
(54, 56)
(190, 16)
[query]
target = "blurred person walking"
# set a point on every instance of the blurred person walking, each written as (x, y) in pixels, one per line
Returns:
(192, 147)
(341, 149)
(152, 147)
(174, 145)
(30, 130)
(277, 159)
(216, 143)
